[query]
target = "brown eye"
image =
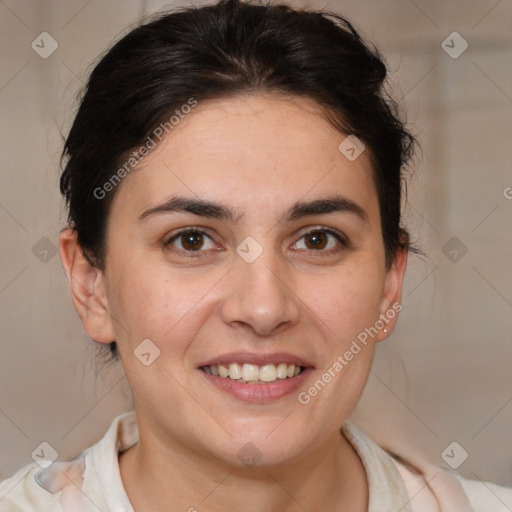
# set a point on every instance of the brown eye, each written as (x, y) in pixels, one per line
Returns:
(316, 240)
(191, 241)
(323, 241)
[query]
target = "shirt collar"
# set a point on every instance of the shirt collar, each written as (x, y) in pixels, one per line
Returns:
(387, 492)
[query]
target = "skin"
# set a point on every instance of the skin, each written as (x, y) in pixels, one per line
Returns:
(258, 155)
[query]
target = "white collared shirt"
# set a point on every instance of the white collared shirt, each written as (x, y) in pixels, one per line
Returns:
(92, 481)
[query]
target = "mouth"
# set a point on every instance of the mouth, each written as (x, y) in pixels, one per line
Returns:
(254, 374)
(256, 377)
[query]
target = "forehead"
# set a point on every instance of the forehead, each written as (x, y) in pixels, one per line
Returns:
(250, 151)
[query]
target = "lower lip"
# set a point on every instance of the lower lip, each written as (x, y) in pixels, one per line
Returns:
(258, 392)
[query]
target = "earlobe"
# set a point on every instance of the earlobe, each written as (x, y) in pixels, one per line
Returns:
(88, 291)
(392, 296)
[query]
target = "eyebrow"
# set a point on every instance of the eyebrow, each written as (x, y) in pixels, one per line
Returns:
(214, 210)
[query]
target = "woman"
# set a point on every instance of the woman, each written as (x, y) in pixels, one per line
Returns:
(233, 178)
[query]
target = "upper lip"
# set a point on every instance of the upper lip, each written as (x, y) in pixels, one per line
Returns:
(257, 359)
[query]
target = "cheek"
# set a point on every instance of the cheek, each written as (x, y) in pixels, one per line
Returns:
(161, 305)
(346, 309)
(346, 302)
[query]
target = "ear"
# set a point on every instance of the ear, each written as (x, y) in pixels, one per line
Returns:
(391, 302)
(87, 284)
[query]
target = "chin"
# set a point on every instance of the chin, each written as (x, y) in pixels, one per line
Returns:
(262, 446)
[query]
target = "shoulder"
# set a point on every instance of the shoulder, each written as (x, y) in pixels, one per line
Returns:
(427, 487)
(21, 493)
(486, 496)
(61, 486)
(431, 487)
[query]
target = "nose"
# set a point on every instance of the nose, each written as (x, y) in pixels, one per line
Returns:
(260, 296)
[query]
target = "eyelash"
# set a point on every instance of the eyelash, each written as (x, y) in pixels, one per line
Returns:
(342, 239)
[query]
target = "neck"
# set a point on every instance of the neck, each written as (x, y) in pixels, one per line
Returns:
(329, 478)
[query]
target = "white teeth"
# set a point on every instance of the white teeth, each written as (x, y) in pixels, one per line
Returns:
(268, 373)
(281, 371)
(235, 372)
(253, 373)
(250, 372)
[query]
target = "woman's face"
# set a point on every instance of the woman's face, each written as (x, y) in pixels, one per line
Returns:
(258, 174)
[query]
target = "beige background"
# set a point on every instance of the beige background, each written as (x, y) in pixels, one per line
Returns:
(445, 373)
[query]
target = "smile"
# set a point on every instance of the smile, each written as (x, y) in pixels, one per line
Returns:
(253, 373)
(256, 377)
